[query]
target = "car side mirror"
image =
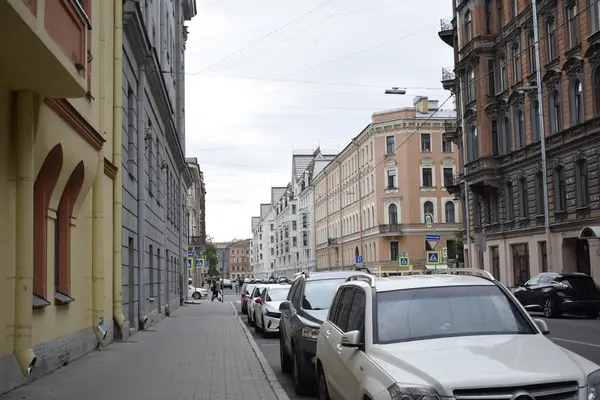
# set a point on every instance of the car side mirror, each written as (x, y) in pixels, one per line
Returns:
(542, 326)
(351, 339)
(285, 306)
(258, 300)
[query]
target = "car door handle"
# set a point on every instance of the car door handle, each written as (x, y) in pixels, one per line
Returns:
(327, 333)
(339, 348)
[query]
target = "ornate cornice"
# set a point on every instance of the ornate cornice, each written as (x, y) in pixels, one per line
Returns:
(516, 99)
(552, 78)
(573, 66)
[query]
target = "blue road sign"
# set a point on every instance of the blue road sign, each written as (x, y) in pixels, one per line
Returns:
(404, 261)
(189, 261)
(206, 264)
(432, 237)
(191, 254)
(433, 257)
(359, 259)
(199, 263)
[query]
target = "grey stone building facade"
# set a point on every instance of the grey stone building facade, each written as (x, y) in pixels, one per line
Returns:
(155, 173)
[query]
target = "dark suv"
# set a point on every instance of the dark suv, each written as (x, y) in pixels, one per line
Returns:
(555, 293)
(302, 316)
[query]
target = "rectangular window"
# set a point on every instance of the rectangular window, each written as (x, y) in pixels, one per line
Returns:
(509, 209)
(551, 40)
(500, 8)
(131, 134)
(446, 145)
(390, 145)
(394, 253)
(544, 256)
(151, 270)
(531, 53)
(495, 259)
(391, 179)
(560, 190)
(523, 198)
(495, 138)
(502, 76)
(488, 17)
(520, 254)
(516, 57)
(491, 77)
(448, 176)
(426, 142)
(582, 183)
(573, 25)
(427, 175)
(539, 193)
(595, 16)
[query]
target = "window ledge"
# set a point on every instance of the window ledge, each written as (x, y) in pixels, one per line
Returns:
(61, 299)
(39, 302)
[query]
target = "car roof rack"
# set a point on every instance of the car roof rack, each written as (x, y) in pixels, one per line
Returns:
(472, 271)
(370, 279)
(364, 269)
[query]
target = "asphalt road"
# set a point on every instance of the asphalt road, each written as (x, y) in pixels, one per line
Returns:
(579, 335)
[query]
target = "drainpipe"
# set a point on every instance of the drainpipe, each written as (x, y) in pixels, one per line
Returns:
(23, 318)
(467, 215)
(98, 201)
(117, 160)
(141, 194)
(341, 212)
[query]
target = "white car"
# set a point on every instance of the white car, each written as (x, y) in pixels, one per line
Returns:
(267, 307)
(252, 303)
(443, 336)
(196, 292)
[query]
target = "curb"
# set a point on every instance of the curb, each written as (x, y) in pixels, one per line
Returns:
(279, 392)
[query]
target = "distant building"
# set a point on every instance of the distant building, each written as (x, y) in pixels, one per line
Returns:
(196, 216)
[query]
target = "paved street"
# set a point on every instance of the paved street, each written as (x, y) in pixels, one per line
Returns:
(200, 352)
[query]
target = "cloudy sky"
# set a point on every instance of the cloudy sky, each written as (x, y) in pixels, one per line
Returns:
(265, 77)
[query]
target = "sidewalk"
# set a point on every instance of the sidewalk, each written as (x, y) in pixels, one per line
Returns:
(200, 352)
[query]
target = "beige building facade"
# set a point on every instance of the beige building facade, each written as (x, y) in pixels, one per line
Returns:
(371, 200)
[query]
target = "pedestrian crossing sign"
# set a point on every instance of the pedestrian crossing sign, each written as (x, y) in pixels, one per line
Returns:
(199, 263)
(404, 261)
(433, 257)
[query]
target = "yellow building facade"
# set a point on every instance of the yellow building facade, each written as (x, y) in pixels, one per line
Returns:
(60, 185)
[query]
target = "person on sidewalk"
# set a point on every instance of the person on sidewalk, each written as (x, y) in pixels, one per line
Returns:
(217, 290)
(213, 289)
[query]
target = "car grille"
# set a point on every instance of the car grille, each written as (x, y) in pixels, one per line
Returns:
(548, 391)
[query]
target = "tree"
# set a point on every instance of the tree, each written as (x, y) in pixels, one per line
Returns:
(456, 251)
(212, 256)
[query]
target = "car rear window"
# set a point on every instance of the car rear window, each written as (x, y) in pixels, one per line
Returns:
(580, 282)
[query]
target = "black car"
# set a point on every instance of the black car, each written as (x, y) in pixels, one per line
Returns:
(303, 314)
(554, 293)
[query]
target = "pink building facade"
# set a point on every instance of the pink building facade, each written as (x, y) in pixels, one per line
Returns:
(371, 200)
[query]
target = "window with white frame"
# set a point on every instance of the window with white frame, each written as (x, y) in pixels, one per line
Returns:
(426, 142)
(594, 16)
(393, 214)
(390, 145)
(446, 145)
(428, 208)
(427, 177)
(392, 179)
(448, 176)
(450, 212)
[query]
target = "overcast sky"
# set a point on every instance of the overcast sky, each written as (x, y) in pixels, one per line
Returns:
(265, 77)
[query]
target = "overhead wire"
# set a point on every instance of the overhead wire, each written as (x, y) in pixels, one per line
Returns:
(271, 33)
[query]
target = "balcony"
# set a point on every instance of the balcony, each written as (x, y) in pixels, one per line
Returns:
(485, 171)
(390, 229)
(451, 132)
(48, 38)
(333, 241)
(446, 32)
(454, 187)
(448, 78)
(197, 241)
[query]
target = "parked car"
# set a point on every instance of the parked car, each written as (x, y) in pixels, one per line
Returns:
(246, 290)
(302, 315)
(413, 337)
(555, 293)
(252, 302)
(227, 284)
(267, 307)
(196, 293)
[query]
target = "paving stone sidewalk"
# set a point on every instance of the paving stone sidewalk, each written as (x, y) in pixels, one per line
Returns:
(200, 352)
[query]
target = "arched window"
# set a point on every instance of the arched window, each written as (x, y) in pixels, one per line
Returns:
(535, 121)
(519, 129)
(473, 144)
(505, 142)
(468, 26)
(470, 85)
(555, 112)
(393, 214)
(449, 211)
(596, 87)
(576, 102)
(428, 208)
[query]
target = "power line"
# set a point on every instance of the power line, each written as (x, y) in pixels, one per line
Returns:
(292, 22)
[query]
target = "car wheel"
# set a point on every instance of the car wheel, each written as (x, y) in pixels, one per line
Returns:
(299, 381)
(592, 314)
(550, 308)
(323, 389)
(284, 358)
(196, 296)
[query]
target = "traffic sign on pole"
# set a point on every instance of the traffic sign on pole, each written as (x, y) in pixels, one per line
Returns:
(433, 257)
(190, 263)
(445, 252)
(404, 261)
(191, 254)
(359, 260)
(432, 237)
(199, 263)
(429, 221)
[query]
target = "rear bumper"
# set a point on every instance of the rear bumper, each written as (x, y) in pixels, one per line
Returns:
(576, 306)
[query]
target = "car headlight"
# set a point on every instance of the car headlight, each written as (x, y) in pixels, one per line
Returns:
(403, 392)
(593, 384)
(310, 333)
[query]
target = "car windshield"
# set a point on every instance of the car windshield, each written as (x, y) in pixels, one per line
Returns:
(318, 294)
(429, 313)
(278, 294)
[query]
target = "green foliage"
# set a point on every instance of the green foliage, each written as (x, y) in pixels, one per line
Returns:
(458, 248)
(212, 256)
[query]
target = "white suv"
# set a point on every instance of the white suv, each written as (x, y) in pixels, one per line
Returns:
(443, 336)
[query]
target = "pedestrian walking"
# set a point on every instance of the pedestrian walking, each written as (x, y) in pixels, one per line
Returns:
(214, 290)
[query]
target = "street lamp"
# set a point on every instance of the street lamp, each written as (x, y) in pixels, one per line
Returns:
(395, 90)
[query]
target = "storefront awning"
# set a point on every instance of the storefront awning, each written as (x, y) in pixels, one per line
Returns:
(436, 267)
(590, 232)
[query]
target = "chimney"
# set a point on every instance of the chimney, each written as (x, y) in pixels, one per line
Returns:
(421, 104)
